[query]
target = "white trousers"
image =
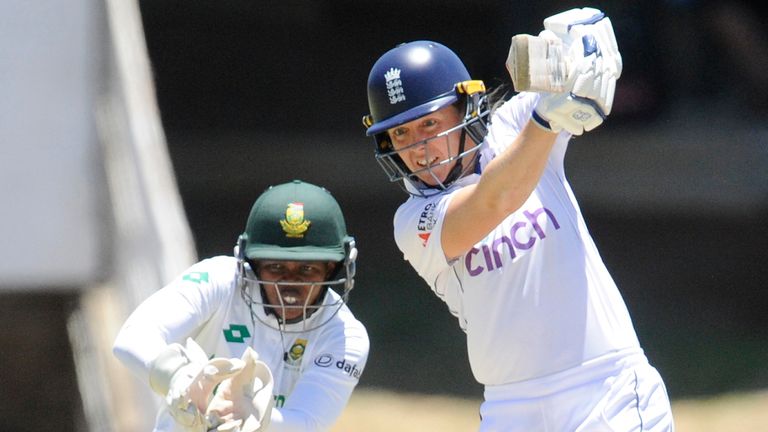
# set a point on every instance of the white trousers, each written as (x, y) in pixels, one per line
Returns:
(612, 395)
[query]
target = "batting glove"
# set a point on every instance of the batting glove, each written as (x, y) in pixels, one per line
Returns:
(557, 111)
(577, 55)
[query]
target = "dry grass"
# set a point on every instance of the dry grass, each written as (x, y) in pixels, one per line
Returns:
(378, 410)
(374, 411)
(747, 412)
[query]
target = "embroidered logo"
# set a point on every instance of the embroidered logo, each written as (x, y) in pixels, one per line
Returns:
(294, 225)
(394, 86)
(236, 333)
(196, 277)
(296, 351)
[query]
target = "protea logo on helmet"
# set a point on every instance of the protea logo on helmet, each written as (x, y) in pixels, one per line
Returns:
(394, 86)
(294, 223)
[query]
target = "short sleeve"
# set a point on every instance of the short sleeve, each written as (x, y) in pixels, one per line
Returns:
(418, 225)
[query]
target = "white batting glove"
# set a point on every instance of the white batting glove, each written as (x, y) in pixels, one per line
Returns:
(185, 377)
(244, 402)
(577, 55)
(557, 111)
(594, 61)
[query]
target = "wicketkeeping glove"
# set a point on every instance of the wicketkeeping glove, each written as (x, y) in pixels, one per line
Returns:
(185, 377)
(244, 402)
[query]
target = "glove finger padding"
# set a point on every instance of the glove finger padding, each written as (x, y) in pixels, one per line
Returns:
(558, 111)
(574, 63)
(212, 374)
(571, 26)
(244, 401)
(185, 377)
(594, 63)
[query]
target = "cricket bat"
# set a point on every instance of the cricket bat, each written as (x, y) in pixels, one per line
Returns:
(537, 64)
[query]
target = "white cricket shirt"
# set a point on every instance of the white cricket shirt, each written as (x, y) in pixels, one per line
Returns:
(533, 296)
(314, 372)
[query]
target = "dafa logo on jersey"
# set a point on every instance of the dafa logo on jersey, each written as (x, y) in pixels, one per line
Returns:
(493, 251)
(327, 360)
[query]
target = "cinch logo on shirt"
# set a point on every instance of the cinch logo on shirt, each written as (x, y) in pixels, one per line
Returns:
(491, 255)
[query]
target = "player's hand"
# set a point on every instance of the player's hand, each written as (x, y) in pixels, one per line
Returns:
(557, 111)
(593, 59)
(185, 377)
(574, 63)
(244, 402)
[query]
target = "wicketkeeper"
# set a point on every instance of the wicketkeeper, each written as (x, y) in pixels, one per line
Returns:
(261, 340)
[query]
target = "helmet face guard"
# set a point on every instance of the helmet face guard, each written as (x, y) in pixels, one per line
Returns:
(464, 159)
(411, 81)
(313, 314)
(296, 222)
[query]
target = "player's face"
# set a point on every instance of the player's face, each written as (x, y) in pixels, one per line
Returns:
(418, 151)
(306, 277)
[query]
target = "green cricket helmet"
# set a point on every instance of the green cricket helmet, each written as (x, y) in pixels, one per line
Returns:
(296, 221)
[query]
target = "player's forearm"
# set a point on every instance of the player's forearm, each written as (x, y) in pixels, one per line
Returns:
(506, 183)
(510, 178)
(136, 349)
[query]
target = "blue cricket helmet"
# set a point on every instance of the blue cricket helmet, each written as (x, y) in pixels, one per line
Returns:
(410, 81)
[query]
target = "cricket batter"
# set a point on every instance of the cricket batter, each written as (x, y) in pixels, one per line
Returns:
(493, 226)
(268, 326)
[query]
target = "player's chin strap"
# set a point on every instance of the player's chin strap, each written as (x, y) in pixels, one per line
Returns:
(458, 169)
(453, 175)
(474, 114)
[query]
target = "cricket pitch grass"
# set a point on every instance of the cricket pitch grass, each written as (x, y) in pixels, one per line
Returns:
(373, 410)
